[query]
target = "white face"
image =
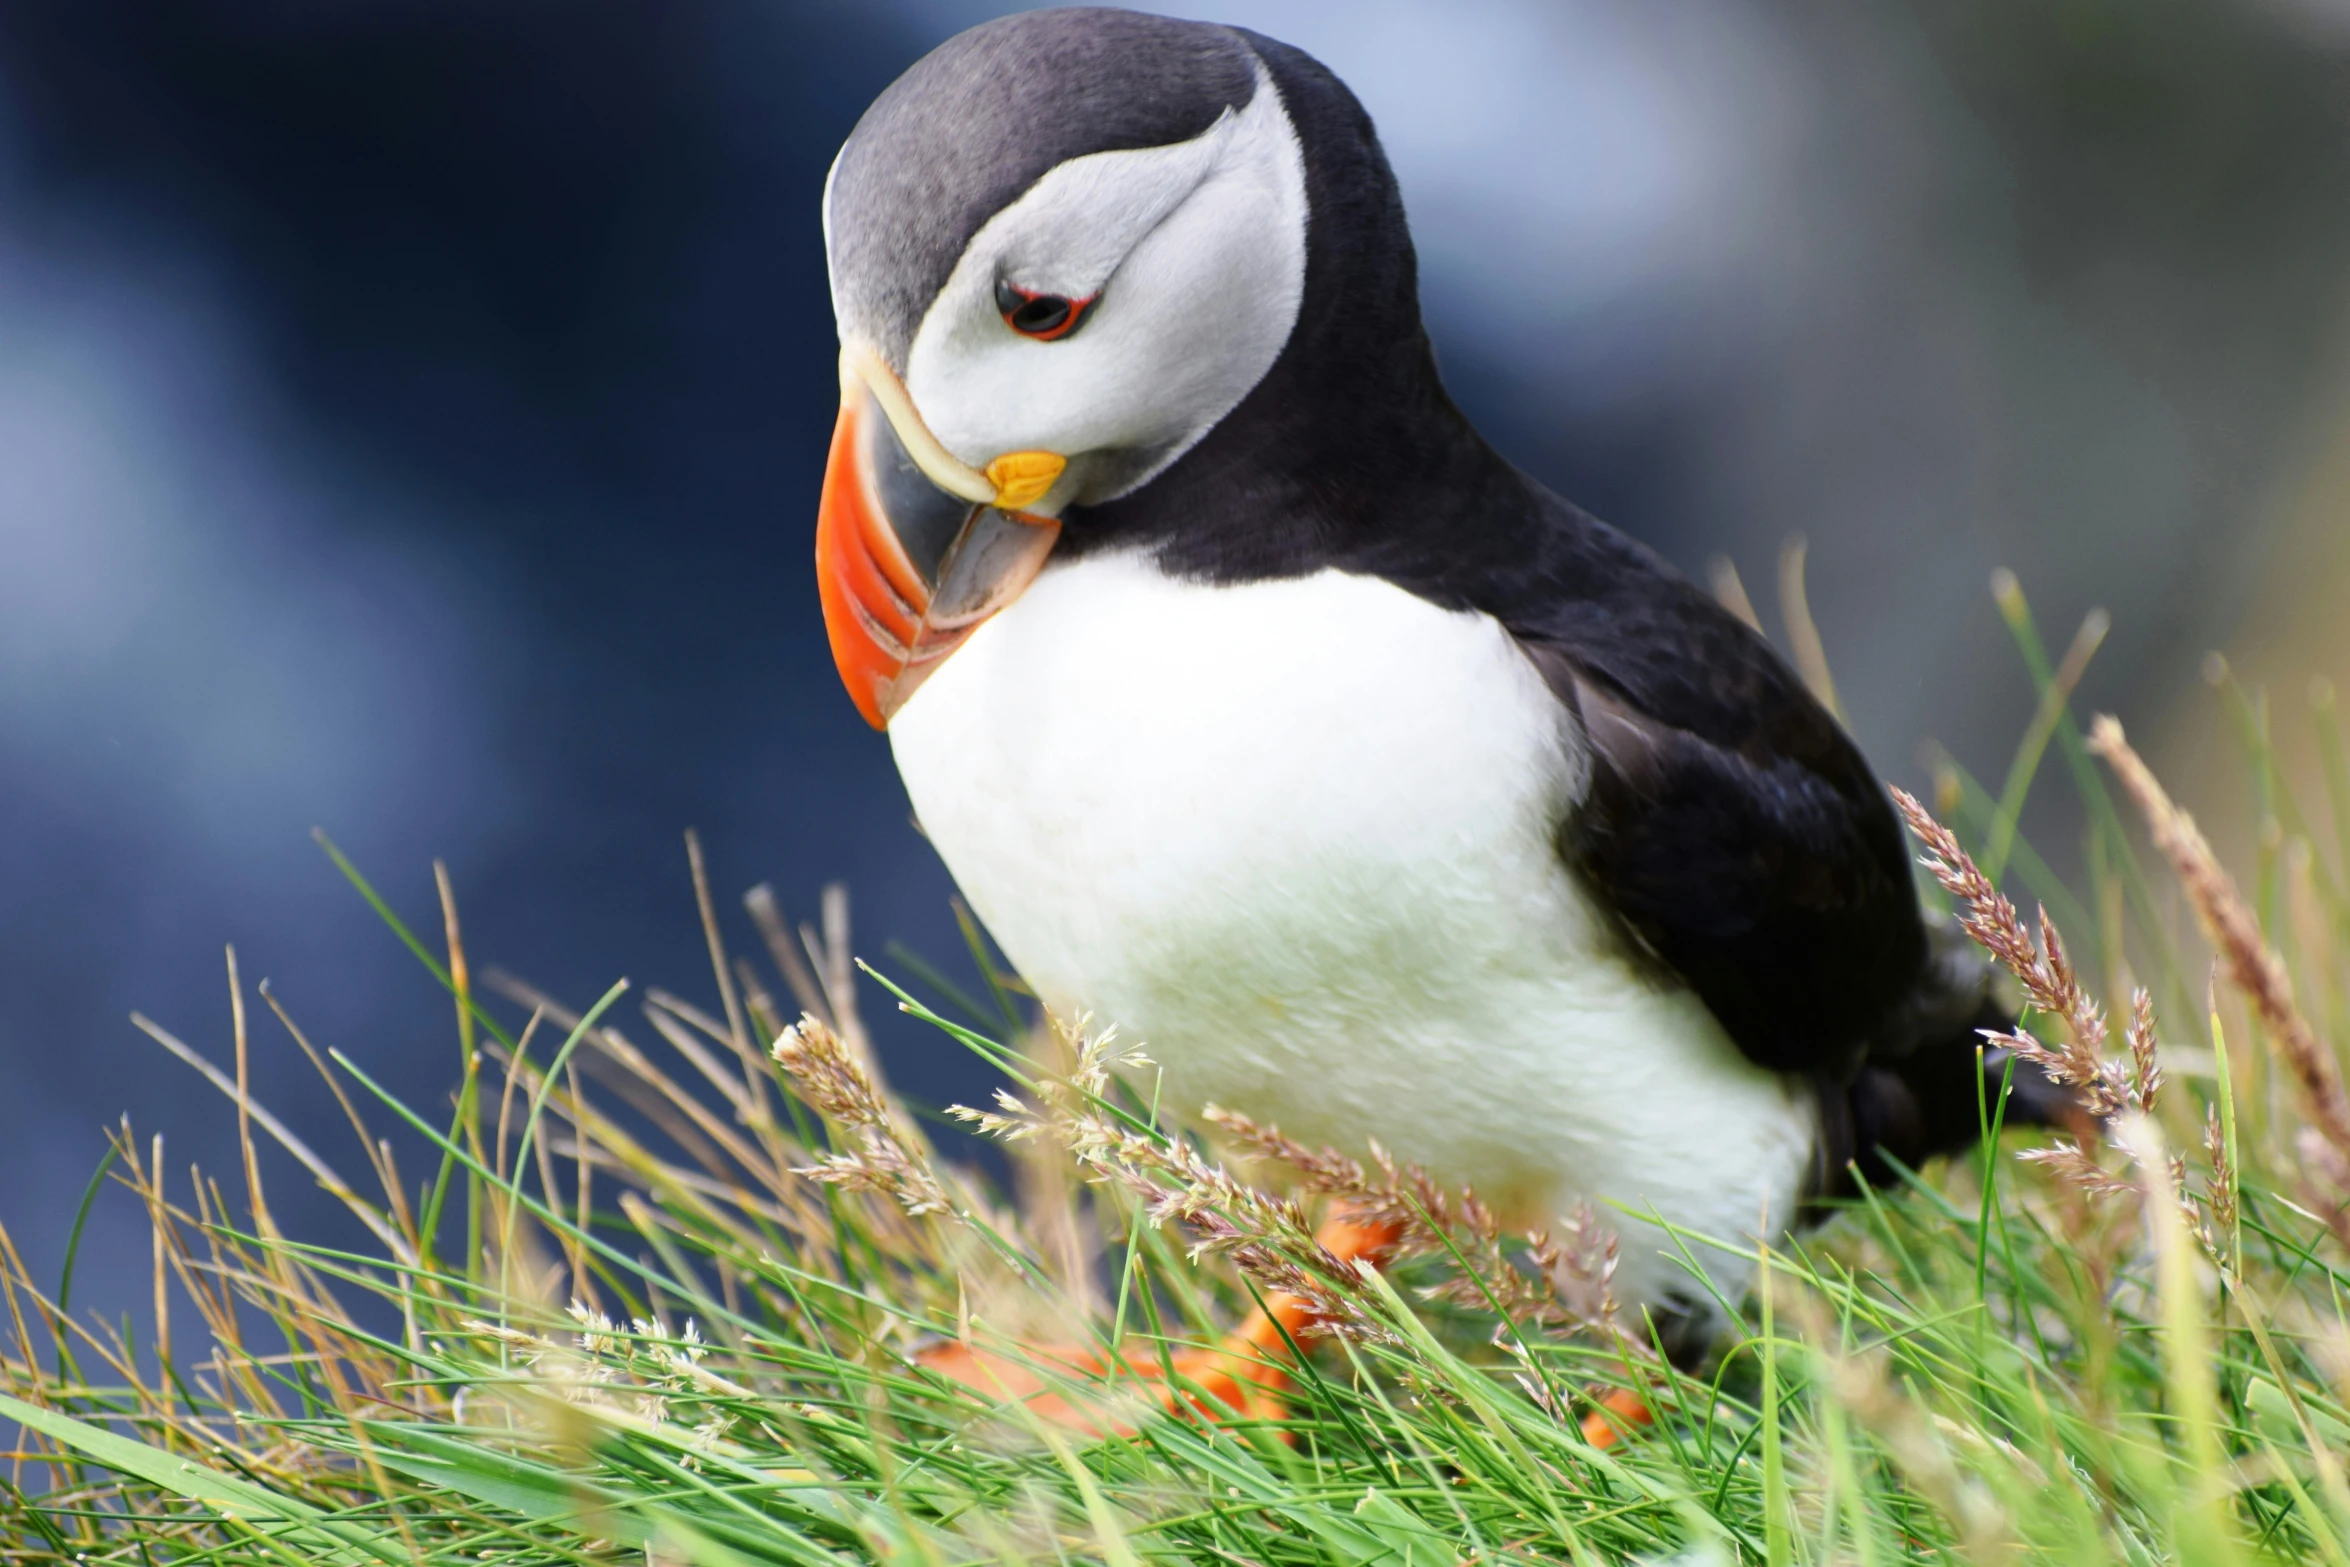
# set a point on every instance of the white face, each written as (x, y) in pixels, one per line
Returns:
(1194, 256)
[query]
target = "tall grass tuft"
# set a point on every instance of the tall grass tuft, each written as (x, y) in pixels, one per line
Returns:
(661, 1293)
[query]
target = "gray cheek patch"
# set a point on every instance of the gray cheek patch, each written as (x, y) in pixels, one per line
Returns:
(984, 116)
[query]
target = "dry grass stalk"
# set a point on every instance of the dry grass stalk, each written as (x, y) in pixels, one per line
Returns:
(681, 1114)
(1048, 1182)
(1568, 1284)
(1571, 1282)
(2045, 970)
(251, 1114)
(2253, 967)
(2108, 1087)
(226, 1276)
(1721, 574)
(885, 1160)
(2219, 1188)
(598, 1142)
(233, 1274)
(1803, 633)
(818, 966)
(898, 1167)
(737, 1031)
(1266, 1237)
(677, 1022)
(2066, 1160)
(2145, 1062)
(784, 949)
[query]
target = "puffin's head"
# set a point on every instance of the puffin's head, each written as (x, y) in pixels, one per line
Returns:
(1064, 245)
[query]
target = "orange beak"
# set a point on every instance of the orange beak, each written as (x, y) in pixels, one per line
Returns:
(914, 549)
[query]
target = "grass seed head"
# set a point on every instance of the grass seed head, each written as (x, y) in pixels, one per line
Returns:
(883, 1157)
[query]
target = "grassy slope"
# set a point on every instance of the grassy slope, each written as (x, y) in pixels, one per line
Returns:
(631, 1326)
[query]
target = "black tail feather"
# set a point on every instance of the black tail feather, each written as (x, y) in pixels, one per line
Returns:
(1935, 1096)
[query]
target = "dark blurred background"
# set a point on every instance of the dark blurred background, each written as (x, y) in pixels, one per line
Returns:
(411, 414)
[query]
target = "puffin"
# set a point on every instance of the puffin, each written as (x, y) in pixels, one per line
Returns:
(1260, 708)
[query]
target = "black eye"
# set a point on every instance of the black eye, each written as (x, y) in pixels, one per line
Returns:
(1044, 317)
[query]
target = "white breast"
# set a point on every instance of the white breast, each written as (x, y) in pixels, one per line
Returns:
(1299, 839)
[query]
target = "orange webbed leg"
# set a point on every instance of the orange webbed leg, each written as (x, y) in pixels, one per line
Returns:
(1241, 1378)
(1619, 1414)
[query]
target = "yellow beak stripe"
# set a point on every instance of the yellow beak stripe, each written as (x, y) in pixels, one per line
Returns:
(1021, 478)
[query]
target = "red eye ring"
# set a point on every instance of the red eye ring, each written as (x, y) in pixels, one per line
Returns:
(1045, 317)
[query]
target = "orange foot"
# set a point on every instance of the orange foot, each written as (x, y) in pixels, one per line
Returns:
(1620, 1413)
(1241, 1378)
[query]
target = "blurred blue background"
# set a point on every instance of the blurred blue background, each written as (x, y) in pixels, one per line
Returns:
(411, 414)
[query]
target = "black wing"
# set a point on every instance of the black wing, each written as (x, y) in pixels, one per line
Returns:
(1744, 843)
(1730, 823)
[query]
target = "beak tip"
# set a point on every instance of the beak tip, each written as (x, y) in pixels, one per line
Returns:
(891, 618)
